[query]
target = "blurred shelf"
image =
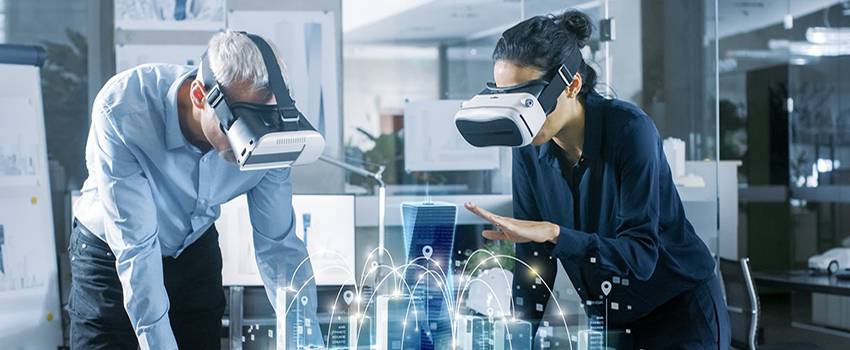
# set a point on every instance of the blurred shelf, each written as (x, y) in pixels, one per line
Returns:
(780, 193)
(827, 193)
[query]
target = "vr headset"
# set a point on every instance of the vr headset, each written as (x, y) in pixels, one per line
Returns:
(264, 136)
(512, 115)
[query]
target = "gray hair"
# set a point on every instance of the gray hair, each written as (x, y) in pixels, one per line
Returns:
(236, 62)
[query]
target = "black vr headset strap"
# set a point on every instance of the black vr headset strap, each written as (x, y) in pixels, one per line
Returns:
(286, 106)
(562, 78)
(215, 96)
(549, 96)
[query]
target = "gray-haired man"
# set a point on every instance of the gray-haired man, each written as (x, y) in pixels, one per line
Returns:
(146, 263)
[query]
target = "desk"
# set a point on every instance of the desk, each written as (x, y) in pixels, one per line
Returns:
(802, 280)
(823, 304)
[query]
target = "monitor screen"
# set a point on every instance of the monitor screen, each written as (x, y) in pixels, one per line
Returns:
(328, 234)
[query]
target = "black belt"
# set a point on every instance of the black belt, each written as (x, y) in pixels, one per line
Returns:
(85, 232)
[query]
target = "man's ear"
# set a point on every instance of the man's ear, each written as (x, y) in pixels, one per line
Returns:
(197, 94)
(574, 88)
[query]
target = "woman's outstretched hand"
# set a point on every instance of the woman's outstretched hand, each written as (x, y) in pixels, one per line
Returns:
(519, 231)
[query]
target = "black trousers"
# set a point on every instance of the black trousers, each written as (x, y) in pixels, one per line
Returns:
(96, 302)
(696, 319)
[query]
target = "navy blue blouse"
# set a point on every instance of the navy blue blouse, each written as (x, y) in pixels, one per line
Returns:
(621, 218)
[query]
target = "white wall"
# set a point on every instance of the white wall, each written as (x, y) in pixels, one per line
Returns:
(626, 54)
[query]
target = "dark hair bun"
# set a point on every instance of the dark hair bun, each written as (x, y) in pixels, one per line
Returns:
(546, 42)
(578, 24)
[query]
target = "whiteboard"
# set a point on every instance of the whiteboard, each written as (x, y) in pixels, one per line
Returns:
(432, 142)
(330, 239)
(30, 314)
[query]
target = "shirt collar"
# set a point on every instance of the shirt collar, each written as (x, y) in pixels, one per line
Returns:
(173, 134)
(592, 133)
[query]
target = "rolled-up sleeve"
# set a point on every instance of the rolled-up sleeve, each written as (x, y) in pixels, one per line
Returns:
(279, 251)
(634, 247)
(131, 232)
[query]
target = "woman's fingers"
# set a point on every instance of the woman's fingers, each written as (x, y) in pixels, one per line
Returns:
(503, 236)
(494, 235)
(481, 212)
(514, 236)
(505, 226)
(485, 214)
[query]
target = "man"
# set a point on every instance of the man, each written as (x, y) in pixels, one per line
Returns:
(145, 260)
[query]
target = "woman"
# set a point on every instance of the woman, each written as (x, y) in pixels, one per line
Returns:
(594, 191)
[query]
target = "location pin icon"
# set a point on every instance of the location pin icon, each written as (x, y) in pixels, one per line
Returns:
(427, 251)
(304, 300)
(606, 288)
(348, 296)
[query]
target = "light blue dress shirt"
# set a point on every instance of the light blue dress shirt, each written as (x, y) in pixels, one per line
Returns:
(150, 193)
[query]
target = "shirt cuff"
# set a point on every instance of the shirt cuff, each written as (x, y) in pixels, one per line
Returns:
(157, 336)
(571, 244)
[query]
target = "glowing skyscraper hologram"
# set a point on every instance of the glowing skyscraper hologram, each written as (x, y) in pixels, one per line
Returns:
(429, 229)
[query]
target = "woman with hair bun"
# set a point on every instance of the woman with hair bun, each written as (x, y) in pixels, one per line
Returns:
(594, 191)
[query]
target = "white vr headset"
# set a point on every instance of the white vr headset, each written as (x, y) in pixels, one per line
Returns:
(512, 115)
(264, 136)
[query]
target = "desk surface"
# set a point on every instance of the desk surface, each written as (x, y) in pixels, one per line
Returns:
(802, 280)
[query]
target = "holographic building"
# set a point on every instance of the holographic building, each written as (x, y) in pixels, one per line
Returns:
(429, 229)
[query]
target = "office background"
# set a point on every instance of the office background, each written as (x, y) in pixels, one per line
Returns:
(755, 89)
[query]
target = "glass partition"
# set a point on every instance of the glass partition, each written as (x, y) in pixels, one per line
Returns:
(783, 114)
(818, 49)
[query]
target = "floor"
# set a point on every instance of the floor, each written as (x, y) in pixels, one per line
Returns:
(778, 330)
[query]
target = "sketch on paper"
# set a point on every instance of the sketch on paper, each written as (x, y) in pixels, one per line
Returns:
(169, 14)
(16, 161)
(18, 147)
(18, 271)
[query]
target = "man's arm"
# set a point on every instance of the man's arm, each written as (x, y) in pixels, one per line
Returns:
(279, 251)
(131, 232)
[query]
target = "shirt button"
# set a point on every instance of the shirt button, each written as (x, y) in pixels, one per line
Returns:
(84, 246)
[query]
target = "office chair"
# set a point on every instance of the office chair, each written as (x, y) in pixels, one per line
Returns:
(744, 310)
(741, 301)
